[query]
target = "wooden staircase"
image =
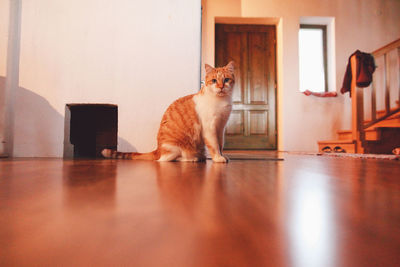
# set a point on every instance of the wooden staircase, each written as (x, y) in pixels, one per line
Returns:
(380, 133)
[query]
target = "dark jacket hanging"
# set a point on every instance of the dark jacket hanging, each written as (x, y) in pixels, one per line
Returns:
(365, 69)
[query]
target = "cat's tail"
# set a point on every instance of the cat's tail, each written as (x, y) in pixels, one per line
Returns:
(114, 154)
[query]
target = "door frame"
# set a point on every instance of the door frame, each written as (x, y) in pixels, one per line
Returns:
(208, 51)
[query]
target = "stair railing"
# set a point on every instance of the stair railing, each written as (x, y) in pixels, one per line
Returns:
(359, 125)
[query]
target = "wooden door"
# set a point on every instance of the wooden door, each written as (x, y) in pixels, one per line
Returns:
(252, 124)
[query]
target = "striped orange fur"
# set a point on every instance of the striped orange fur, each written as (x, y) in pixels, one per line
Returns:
(193, 122)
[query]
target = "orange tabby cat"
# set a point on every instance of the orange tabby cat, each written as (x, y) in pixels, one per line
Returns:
(192, 122)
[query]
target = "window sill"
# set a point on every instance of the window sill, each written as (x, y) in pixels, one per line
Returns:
(324, 94)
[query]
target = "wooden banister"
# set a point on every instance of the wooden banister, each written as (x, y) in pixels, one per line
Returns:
(387, 48)
(384, 51)
(358, 123)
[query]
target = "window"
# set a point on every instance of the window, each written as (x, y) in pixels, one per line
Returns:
(313, 58)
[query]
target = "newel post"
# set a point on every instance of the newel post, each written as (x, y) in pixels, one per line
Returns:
(357, 100)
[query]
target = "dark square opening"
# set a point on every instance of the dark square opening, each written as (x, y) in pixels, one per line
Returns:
(89, 128)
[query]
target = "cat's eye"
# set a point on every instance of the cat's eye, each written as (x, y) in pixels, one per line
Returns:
(226, 80)
(214, 80)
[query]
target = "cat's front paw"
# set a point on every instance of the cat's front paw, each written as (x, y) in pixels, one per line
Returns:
(220, 159)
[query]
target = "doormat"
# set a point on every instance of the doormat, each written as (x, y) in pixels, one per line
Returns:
(362, 156)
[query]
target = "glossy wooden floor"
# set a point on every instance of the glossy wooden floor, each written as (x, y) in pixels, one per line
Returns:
(303, 211)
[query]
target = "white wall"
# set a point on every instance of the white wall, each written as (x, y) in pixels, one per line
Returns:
(140, 55)
(4, 19)
(365, 25)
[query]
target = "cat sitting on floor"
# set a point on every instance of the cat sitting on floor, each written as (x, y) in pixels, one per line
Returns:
(193, 122)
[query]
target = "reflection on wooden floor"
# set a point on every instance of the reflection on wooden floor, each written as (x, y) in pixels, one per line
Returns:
(302, 211)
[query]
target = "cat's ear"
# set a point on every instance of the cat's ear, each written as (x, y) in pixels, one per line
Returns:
(230, 66)
(208, 68)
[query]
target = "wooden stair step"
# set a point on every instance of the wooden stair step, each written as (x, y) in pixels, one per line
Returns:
(347, 141)
(394, 117)
(386, 123)
(370, 134)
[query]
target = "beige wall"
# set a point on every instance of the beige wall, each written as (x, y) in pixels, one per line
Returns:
(4, 27)
(140, 55)
(4, 9)
(365, 25)
(4, 18)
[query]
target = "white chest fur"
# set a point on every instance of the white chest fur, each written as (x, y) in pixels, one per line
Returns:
(213, 111)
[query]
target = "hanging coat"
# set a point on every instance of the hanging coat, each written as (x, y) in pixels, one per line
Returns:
(365, 69)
